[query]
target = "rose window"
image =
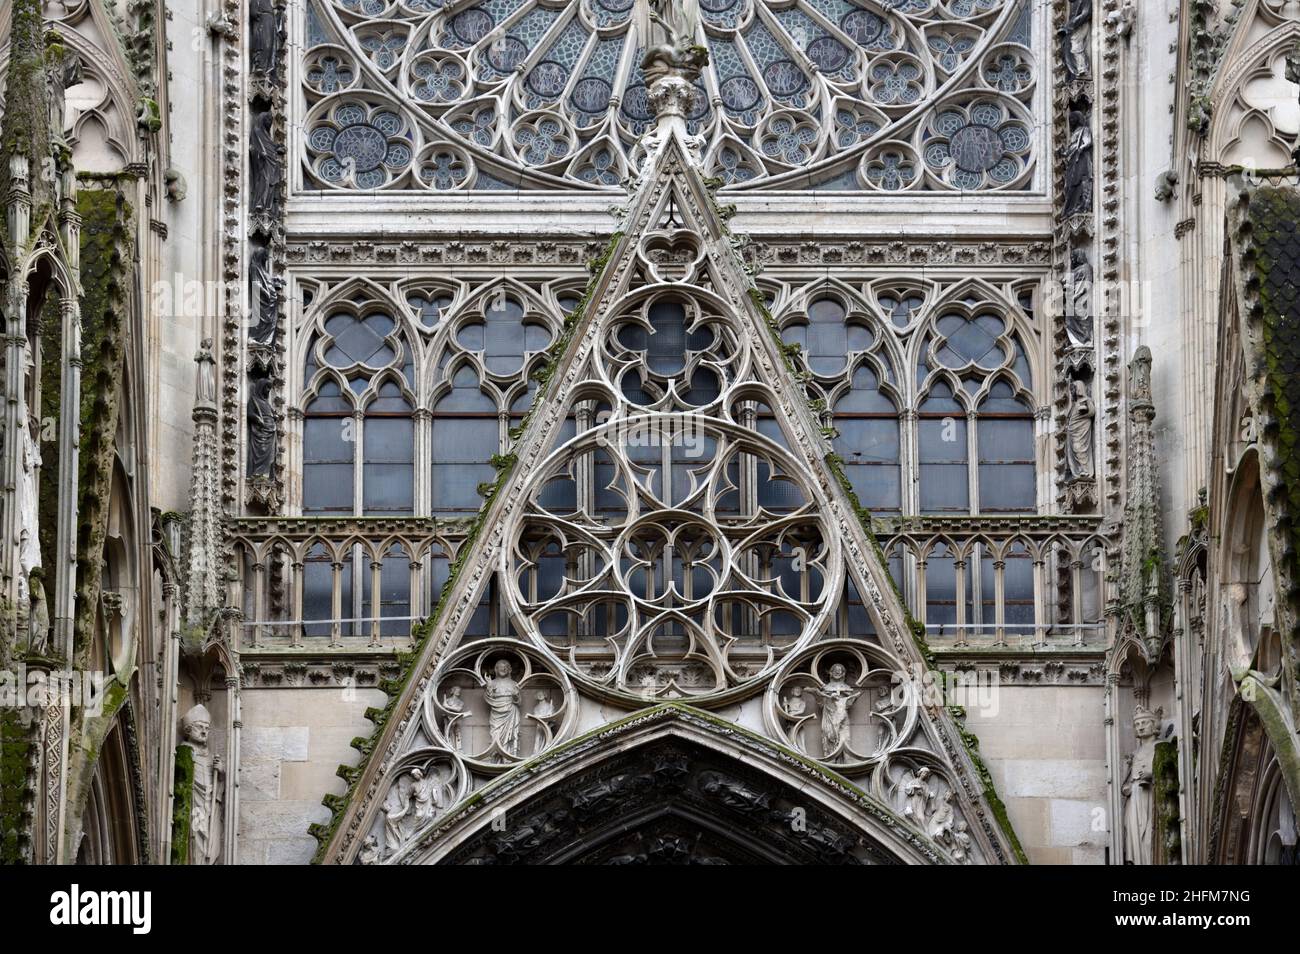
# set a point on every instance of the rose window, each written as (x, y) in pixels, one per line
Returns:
(550, 94)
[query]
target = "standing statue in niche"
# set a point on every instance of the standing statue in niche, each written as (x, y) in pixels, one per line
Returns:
(206, 386)
(208, 793)
(265, 167)
(1079, 430)
(29, 553)
(265, 293)
(1078, 165)
(263, 36)
(1139, 800)
(502, 695)
(38, 621)
(1078, 310)
(261, 427)
(836, 695)
(1139, 375)
(61, 73)
(1076, 38)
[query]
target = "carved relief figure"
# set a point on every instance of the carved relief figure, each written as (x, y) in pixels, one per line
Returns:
(264, 35)
(502, 695)
(961, 842)
(917, 796)
(454, 704)
(206, 386)
(1078, 312)
(265, 293)
(208, 792)
(28, 500)
(369, 854)
(61, 73)
(1076, 38)
(1078, 165)
(1079, 430)
(796, 706)
(1137, 790)
(941, 823)
(265, 166)
(261, 426)
(836, 695)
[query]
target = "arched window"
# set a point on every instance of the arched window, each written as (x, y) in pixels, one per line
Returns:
(466, 434)
(387, 468)
(868, 442)
(1005, 433)
(943, 452)
(329, 452)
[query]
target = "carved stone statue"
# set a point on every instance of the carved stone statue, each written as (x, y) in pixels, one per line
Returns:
(61, 73)
(1079, 455)
(836, 695)
(265, 167)
(28, 503)
(206, 379)
(542, 711)
(502, 695)
(454, 704)
(38, 625)
(414, 800)
(1078, 165)
(941, 823)
(1076, 38)
(796, 706)
(917, 796)
(1139, 375)
(208, 794)
(265, 295)
(369, 854)
(261, 427)
(961, 842)
(674, 47)
(1139, 800)
(1078, 311)
(263, 36)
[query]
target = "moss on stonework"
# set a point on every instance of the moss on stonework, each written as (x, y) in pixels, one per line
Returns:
(182, 804)
(25, 128)
(1270, 220)
(15, 817)
(1168, 831)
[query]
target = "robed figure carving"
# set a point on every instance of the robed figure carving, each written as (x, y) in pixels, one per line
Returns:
(837, 696)
(1139, 797)
(502, 695)
(1076, 38)
(1078, 165)
(1078, 305)
(264, 35)
(208, 794)
(265, 166)
(1079, 432)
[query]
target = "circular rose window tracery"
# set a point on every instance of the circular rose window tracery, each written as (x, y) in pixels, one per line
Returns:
(466, 74)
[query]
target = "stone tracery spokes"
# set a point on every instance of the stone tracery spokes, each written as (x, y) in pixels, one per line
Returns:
(478, 93)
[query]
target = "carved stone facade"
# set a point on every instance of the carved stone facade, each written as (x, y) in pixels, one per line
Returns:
(651, 431)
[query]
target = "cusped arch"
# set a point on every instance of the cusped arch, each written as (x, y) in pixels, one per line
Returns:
(671, 785)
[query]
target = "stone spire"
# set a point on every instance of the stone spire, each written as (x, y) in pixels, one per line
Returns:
(1142, 588)
(202, 585)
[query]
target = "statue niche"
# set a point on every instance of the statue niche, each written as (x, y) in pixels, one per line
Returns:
(208, 793)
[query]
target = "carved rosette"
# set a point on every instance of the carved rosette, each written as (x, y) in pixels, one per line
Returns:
(494, 720)
(849, 721)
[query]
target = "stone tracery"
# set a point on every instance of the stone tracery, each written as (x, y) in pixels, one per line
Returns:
(421, 94)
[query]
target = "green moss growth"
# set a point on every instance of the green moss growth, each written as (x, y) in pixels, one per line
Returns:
(15, 817)
(182, 804)
(1168, 831)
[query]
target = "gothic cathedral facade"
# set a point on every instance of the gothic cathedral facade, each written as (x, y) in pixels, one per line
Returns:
(650, 432)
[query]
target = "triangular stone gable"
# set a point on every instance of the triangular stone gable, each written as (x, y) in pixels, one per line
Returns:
(674, 238)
